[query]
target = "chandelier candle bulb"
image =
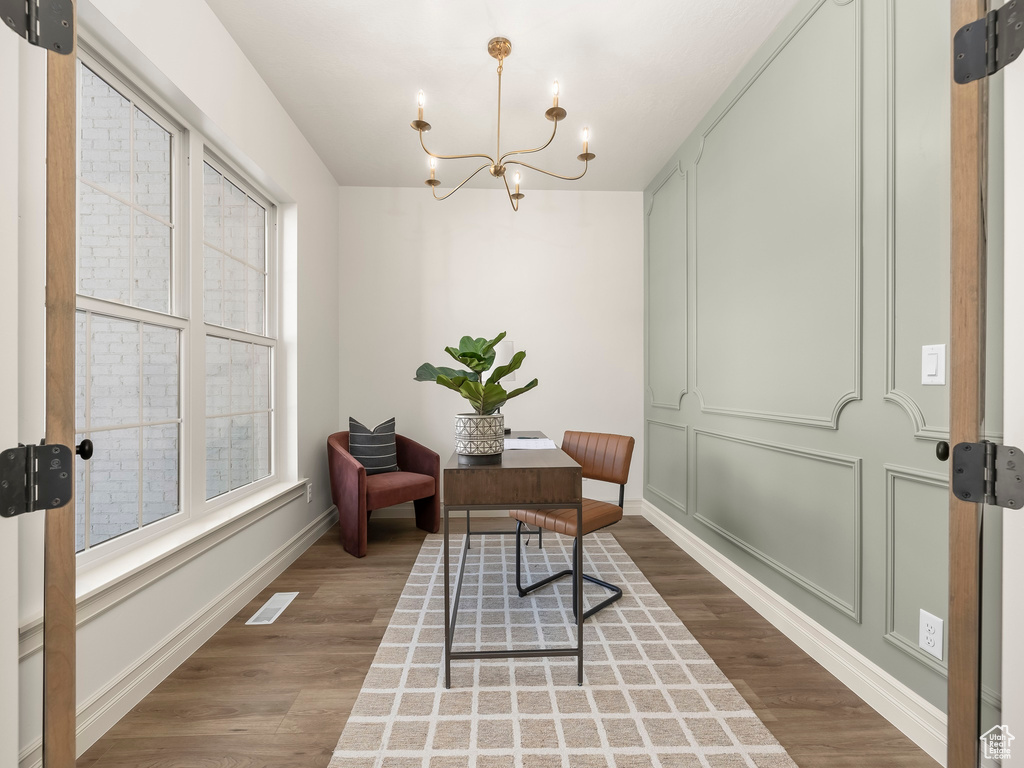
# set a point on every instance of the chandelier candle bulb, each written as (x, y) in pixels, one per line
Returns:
(517, 195)
(554, 91)
(420, 100)
(432, 181)
(586, 139)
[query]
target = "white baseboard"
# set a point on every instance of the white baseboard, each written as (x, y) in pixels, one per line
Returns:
(96, 716)
(921, 721)
(633, 507)
(630, 507)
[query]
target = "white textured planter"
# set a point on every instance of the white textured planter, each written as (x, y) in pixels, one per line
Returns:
(479, 439)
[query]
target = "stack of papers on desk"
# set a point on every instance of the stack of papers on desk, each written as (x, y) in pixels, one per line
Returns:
(529, 443)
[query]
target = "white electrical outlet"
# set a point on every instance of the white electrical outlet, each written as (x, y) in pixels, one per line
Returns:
(930, 638)
(309, 493)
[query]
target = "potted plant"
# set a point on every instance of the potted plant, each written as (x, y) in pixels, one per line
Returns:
(479, 436)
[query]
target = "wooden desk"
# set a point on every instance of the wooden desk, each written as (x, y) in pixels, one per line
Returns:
(525, 479)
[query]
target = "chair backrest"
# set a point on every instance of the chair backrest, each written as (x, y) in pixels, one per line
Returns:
(602, 456)
(339, 440)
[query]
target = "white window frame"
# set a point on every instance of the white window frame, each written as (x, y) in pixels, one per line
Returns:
(175, 318)
(189, 151)
(201, 329)
(180, 134)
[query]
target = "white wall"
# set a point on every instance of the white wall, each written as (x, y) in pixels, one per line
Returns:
(9, 53)
(181, 51)
(563, 276)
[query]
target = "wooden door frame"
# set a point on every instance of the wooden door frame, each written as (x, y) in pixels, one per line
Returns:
(59, 621)
(968, 124)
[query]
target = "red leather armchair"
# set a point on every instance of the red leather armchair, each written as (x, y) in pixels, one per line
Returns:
(356, 495)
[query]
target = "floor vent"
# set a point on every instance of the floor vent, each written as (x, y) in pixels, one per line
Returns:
(273, 608)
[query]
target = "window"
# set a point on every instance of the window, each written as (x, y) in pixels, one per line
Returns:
(238, 411)
(124, 197)
(144, 340)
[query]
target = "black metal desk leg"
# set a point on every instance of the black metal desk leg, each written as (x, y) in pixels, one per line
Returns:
(578, 576)
(447, 609)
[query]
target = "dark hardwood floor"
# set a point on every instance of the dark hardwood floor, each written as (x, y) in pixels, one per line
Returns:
(279, 695)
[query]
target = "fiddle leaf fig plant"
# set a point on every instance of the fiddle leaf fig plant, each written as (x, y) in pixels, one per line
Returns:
(477, 355)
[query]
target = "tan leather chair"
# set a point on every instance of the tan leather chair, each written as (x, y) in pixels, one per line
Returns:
(603, 457)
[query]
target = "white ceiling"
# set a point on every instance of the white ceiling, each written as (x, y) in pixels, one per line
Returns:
(639, 73)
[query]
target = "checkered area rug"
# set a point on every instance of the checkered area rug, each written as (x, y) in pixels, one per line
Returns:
(651, 698)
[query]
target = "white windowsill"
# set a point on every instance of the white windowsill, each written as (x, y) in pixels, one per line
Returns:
(95, 577)
(102, 585)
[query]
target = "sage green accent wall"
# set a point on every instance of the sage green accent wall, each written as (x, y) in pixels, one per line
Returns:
(920, 173)
(748, 184)
(666, 290)
(797, 258)
(912, 537)
(666, 471)
(755, 494)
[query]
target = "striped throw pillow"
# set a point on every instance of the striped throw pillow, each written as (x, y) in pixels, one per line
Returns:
(374, 449)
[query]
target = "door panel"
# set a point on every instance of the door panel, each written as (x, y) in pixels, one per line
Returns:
(1013, 345)
(9, 398)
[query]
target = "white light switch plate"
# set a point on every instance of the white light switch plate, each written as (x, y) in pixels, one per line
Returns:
(933, 364)
(930, 637)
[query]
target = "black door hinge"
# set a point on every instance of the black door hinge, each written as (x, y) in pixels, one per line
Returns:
(985, 46)
(49, 24)
(988, 473)
(35, 477)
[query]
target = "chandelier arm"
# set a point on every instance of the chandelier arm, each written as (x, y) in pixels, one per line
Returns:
(515, 203)
(549, 173)
(474, 173)
(528, 151)
(452, 157)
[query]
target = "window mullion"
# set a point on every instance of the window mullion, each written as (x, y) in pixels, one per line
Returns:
(252, 371)
(87, 516)
(124, 312)
(125, 201)
(223, 258)
(235, 335)
(131, 207)
(142, 418)
(194, 413)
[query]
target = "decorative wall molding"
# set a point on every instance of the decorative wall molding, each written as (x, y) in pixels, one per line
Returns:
(830, 421)
(893, 394)
(892, 391)
(679, 504)
(920, 720)
(102, 710)
(678, 389)
(823, 420)
(672, 171)
(894, 473)
(851, 609)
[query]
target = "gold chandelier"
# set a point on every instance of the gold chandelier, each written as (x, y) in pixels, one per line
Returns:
(500, 48)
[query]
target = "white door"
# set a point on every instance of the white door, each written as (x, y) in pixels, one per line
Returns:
(8, 393)
(1013, 406)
